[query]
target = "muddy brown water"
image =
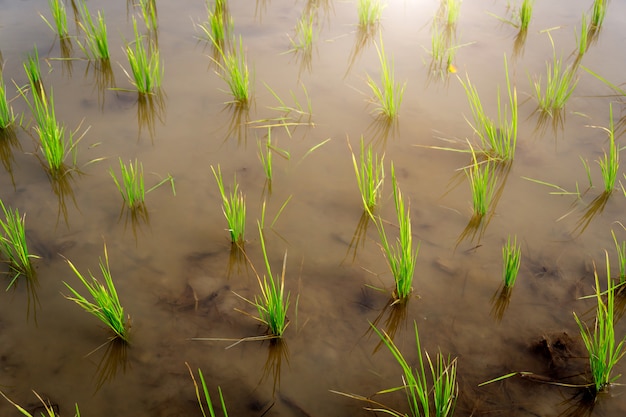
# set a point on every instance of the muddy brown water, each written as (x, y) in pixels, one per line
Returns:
(174, 273)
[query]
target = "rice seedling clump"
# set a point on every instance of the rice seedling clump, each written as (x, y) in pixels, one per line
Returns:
(104, 303)
(233, 206)
(13, 244)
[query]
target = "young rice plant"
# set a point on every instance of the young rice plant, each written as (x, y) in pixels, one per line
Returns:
(442, 385)
(6, 111)
(56, 144)
(609, 163)
(389, 93)
(96, 43)
(369, 12)
(48, 407)
(59, 17)
(104, 303)
(482, 180)
(401, 257)
(233, 206)
(559, 86)
(272, 305)
(145, 64)
(498, 140)
(304, 33)
(234, 71)
(525, 13)
(13, 244)
(131, 184)
(370, 174)
(604, 350)
(511, 257)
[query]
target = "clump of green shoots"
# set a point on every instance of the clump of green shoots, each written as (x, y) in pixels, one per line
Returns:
(598, 12)
(59, 17)
(604, 350)
(498, 140)
(443, 384)
(272, 305)
(105, 303)
(482, 180)
(13, 244)
(305, 33)
(207, 397)
(131, 184)
(233, 206)
(452, 11)
(525, 14)
(96, 44)
(219, 25)
(583, 38)
(559, 86)
(388, 94)
(234, 70)
(6, 111)
(369, 12)
(401, 257)
(511, 257)
(149, 13)
(609, 163)
(55, 144)
(265, 155)
(370, 175)
(33, 71)
(145, 64)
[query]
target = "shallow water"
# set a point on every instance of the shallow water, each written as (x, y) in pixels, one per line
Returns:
(174, 273)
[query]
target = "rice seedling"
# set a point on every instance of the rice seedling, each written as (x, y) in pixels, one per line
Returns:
(33, 71)
(369, 12)
(482, 180)
(525, 14)
(96, 43)
(511, 257)
(13, 245)
(234, 71)
(145, 64)
(304, 33)
(498, 140)
(443, 385)
(272, 305)
(265, 155)
(609, 163)
(389, 93)
(55, 143)
(218, 27)
(105, 304)
(401, 257)
(370, 175)
(583, 38)
(233, 206)
(604, 350)
(49, 408)
(452, 10)
(59, 17)
(559, 86)
(149, 13)
(621, 258)
(206, 396)
(6, 111)
(131, 184)
(598, 12)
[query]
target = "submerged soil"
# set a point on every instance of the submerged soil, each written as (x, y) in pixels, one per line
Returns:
(178, 278)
